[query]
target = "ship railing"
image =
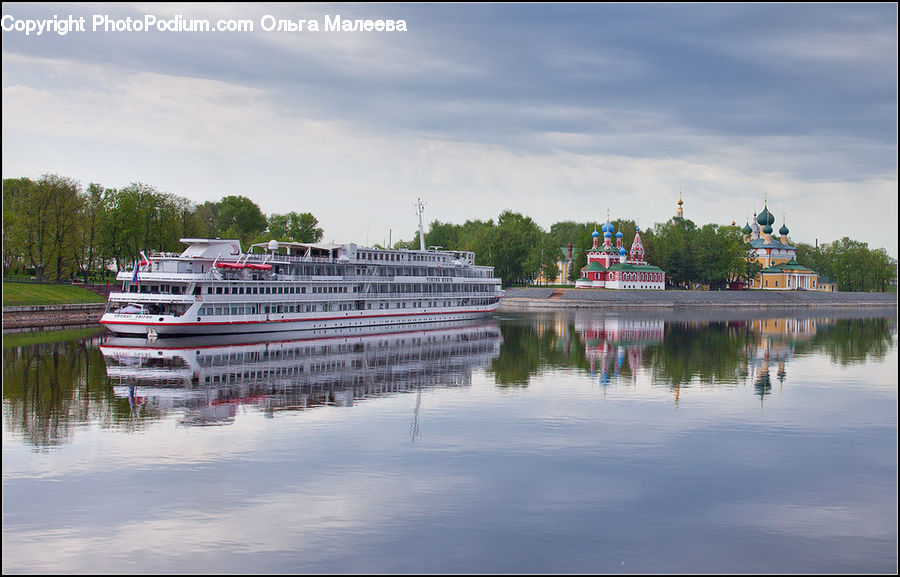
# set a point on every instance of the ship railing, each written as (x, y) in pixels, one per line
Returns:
(365, 278)
(159, 276)
(289, 258)
(209, 275)
(152, 297)
(330, 297)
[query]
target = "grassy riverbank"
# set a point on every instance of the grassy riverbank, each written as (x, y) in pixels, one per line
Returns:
(29, 294)
(42, 337)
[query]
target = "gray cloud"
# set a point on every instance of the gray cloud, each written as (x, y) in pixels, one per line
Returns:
(797, 96)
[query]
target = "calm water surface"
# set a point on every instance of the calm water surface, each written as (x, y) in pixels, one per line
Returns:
(582, 442)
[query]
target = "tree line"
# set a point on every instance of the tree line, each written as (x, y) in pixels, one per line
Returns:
(851, 264)
(57, 230)
(520, 251)
(712, 255)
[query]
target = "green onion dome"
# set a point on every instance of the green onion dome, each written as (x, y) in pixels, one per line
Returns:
(747, 229)
(783, 230)
(765, 218)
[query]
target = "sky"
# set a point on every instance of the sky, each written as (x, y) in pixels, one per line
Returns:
(556, 111)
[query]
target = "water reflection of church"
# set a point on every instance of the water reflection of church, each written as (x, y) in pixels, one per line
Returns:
(756, 350)
(210, 379)
(772, 346)
(614, 344)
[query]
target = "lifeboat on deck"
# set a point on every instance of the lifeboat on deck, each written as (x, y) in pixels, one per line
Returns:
(258, 266)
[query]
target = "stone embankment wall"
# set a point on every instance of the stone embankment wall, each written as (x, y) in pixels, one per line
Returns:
(49, 317)
(523, 299)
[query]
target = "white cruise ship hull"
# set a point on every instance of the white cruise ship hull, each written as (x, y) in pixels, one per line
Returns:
(144, 325)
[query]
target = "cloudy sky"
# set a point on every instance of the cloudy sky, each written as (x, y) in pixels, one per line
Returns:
(560, 112)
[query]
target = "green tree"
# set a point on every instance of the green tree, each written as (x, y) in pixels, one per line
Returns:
(549, 258)
(111, 229)
(63, 200)
(139, 218)
(816, 258)
(672, 246)
(90, 219)
(206, 219)
(849, 263)
(752, 267)
(478, 236)
(240, 217)
(294, 227)
(884, 269)
(443, 235)
(579, 234)
(18, 230)
(516, 248)
(721, 254)
(856, 267)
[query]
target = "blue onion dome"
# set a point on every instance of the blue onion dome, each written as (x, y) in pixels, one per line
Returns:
(765, 218)
(619, 234)
(607, 234)
(767, 229)
(783, 230)
(747, 229)
(595, 234)
(637, 229)
(607, 227)
(622, 250)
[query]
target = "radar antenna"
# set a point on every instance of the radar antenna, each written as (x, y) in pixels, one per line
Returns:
(420, 206)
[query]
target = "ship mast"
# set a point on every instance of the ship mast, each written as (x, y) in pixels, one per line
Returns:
(420, 206)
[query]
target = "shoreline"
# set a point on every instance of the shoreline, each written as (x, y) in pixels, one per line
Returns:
(524, 299)
(48, 317)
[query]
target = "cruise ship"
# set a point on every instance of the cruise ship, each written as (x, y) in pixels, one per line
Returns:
(213, 287)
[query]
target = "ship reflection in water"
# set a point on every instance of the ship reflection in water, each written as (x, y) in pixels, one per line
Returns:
(209, 378)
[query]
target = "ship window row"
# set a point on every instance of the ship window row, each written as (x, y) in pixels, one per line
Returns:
(379, 288)
(413, 271)
(431, 288)
(389, 270)
(288, 308)
(156, 289)
(389, 257)
(281, 308)
(239, 290)
(272, 354)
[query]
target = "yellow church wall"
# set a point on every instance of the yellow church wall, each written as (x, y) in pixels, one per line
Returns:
(779, 281)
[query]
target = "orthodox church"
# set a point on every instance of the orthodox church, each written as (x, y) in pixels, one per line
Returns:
(780, 269)
(615, 268)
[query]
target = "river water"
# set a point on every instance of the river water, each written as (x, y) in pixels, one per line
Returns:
(570, 442)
